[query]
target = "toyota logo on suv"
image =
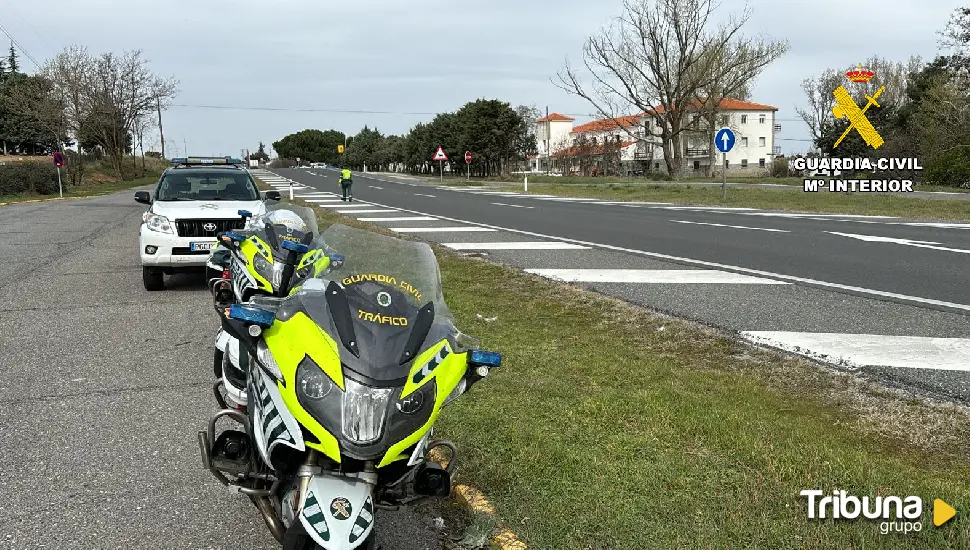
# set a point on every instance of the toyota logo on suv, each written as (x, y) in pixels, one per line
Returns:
(209, 227)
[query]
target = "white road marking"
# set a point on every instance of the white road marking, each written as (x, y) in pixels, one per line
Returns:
(365, 211)
(871, 350)
(536, 245)
(732, 226)
(400, 219)
(423, 195)
(321, 201)
(906, 242)
(805, 280)
(438, 229)
(375, 187)
(666, 276)
(512, 205)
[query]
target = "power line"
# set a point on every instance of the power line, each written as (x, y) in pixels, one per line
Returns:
(21, 48)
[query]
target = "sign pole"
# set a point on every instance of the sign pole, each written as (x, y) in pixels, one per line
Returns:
(291, 189)
(60, 188)
(441, 171)
(724, 174)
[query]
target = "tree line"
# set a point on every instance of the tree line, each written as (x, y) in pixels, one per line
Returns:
(499, 137)
(923, 110)
(103, 105)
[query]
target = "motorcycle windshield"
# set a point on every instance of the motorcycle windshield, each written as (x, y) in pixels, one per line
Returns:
(280, 223)
(390, 305)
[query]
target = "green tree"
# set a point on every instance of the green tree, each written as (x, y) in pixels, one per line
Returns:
(260, 153)
(311, 145)
(13, 65)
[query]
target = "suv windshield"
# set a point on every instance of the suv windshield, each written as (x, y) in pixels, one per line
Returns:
(207, 185)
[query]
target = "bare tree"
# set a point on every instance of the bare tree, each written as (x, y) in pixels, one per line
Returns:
(732, 66)
(654, 60)
(68, 74)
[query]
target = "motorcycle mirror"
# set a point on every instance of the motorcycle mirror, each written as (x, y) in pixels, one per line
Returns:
(272, 196)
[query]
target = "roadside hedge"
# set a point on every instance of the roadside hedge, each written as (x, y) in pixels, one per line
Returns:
(28, 177)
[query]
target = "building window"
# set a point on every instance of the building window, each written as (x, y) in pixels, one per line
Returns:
(744, 119)
(697, 165)
(761, 119)
(656, 166)
(744, 142)
(744, 163)
(761, 142)
(761, 163)
(725, 120)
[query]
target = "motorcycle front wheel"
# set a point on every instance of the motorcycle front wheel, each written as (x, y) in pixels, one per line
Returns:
(296, 538)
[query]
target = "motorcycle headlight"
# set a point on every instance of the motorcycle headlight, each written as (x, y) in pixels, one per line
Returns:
(157, 223)
(364, 411)
(313, 384)
(265, 359)
(269, 271)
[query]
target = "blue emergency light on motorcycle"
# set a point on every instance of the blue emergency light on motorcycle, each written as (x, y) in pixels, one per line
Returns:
(254, 315)
(482, 358)
(245, 213)
(235, 236)
(299, 248)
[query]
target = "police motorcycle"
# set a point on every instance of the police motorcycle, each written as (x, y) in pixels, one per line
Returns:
(257, 266)
(348, 375)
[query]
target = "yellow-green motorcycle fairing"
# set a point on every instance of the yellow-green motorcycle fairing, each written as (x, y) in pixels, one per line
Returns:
(249, 248)
(292, 340)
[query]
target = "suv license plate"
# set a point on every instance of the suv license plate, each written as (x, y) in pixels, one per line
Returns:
(198, 247)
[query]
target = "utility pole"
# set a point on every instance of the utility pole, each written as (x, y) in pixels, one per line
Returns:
(185, 148)
(161, 134)
(548, 141)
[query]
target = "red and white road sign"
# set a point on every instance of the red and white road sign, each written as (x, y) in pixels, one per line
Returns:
(440, 154)
(468, 157)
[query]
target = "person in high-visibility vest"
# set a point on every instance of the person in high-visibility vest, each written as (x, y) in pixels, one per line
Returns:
(346, 181)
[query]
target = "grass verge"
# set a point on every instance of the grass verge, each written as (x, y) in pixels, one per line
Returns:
(612, 427)
(821, 202)
(86, 190)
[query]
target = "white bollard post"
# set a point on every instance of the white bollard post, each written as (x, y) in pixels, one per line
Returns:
(291, 189)
(527, 184)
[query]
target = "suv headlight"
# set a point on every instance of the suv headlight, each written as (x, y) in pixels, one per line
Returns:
(158, 223)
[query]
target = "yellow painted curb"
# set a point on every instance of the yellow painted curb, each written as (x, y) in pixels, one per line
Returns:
(474, 499)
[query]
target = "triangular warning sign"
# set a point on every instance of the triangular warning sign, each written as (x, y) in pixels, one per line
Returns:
(440, 154)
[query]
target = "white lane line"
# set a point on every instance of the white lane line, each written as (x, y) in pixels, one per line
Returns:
(375, 187)
(570, 199)
(439, 229)
(871, 350)
(666, 276)
(364, 211)
(739, 269)
(423, 195)
(322, 201)
(732, 226)
(524, 245)
(512, 205)
(400, 219)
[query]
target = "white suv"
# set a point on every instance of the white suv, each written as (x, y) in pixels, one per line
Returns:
(194, 201)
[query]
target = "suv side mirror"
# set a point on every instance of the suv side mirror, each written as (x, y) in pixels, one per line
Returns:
(272, 196)
(143, 197)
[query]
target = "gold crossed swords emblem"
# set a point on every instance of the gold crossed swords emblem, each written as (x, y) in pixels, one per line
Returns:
(846, 108)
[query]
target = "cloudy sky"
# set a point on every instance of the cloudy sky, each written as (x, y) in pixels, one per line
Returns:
(393, 63)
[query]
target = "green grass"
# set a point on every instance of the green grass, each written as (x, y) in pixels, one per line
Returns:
(87, 190)
(821, 202)
(610, 427)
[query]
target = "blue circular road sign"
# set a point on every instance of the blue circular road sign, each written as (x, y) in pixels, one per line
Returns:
(724, 140)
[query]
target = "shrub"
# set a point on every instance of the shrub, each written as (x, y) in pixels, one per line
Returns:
(28, 177)
(779, 168)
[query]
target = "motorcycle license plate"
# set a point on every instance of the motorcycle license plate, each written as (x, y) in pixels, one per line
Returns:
(198, 247)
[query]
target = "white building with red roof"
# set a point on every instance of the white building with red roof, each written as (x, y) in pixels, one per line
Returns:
(631, 145)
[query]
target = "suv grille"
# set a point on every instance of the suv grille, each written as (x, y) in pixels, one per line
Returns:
(197, 228)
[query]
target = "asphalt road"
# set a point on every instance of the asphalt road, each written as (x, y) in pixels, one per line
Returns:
(809, 283)
(104, 388)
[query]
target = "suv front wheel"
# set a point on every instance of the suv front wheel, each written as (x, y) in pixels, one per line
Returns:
(153, 278)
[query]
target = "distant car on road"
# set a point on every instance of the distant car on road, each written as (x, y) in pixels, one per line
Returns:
(194, 201)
